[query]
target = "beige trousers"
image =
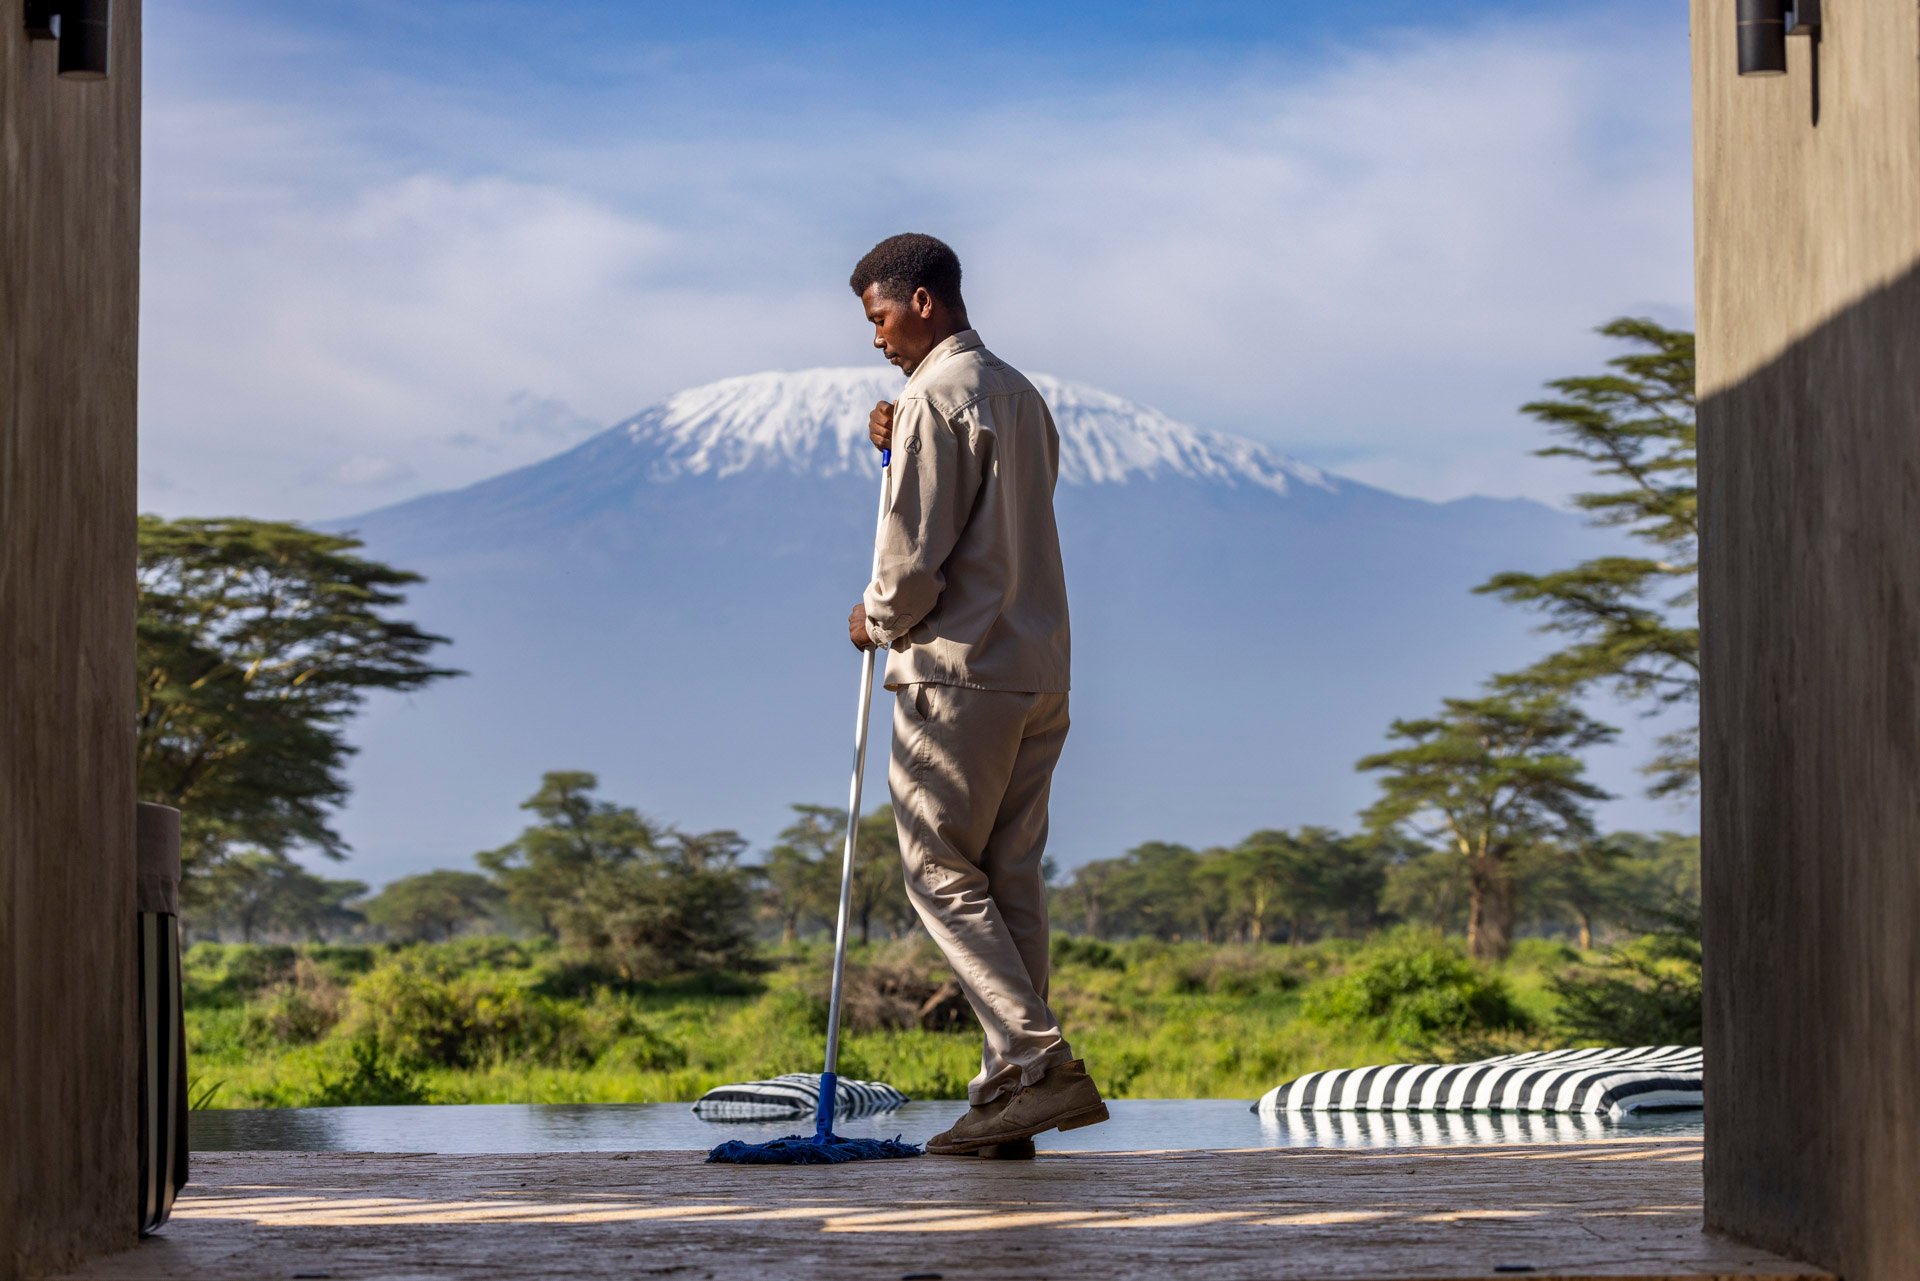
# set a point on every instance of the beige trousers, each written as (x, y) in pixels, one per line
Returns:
(970, 776)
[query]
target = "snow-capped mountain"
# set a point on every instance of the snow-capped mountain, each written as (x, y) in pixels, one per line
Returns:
(815, 421)
(665, 604)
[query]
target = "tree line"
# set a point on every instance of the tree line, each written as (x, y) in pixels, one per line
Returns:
(1310, 883)
(259, 640)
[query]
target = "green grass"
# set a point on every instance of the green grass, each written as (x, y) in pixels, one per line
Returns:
(501, 1021)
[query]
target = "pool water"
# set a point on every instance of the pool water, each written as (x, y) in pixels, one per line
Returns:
(1137, 1125)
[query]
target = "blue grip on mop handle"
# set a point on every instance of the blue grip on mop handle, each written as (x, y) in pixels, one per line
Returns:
(829, 1094)
(886, 458)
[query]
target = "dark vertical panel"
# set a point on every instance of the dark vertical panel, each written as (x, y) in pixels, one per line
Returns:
(1807, 236)
(69, 256)
(1811, 578)
(1811, 502)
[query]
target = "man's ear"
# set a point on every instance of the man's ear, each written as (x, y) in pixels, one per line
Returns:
(922, 303)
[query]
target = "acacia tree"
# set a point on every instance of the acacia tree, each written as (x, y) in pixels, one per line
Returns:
(1090, 891)
(433, 905)
(255, 892)
(257, 641)
(1428, 887)
(1632, 620)
(544, 872)
(802, 873)
(1273, 880)
(1493, 778)
(1307, 879)
(610, 883)
(792, 888)
(1351, 875)
(680, 913)
(1163, 895)
(1623, 879)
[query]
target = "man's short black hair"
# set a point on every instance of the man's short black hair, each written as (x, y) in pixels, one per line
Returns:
(901, 264)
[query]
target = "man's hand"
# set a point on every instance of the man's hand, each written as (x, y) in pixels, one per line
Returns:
(880, 425)
(857, 627)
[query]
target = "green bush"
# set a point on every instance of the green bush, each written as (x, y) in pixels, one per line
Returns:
(643, 1049)
(214, 975)
(1416, 990)
(427, 1016)
(575, 976)
(342, 962)
(1092, 953)
(219, 1033)
(227, 974)
(483, 952)
(1237, 971)
(1232, 969)
(295, 1012)
(506, 1021)
(1541, 954)
(375, 1078)
(202, 1093)
(1646, 992)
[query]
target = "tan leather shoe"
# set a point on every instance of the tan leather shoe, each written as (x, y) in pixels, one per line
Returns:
(1064, 1099)
(965, 1136)
(1017, 1150)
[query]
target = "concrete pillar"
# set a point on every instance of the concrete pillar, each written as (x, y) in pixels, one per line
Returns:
(1807, 225)
(69, 276)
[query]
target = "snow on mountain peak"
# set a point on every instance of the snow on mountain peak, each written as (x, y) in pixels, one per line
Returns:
(815, 421)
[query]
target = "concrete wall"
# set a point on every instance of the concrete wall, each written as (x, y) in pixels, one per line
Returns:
(1808, 279)
(69, 260)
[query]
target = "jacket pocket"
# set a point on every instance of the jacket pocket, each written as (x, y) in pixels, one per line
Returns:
(922, 710)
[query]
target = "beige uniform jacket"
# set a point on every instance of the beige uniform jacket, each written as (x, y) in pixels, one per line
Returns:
(969, 589)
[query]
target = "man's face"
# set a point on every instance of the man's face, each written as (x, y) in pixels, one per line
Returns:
(903, 329)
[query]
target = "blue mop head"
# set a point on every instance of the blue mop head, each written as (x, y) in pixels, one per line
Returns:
(824, 1148)
(796, 1149)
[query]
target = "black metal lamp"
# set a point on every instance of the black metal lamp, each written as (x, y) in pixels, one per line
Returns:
(1762, 26)
(84, 36)
(40, 20)
(83, 29)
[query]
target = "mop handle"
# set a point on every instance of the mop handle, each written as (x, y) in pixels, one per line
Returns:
(829, 1078)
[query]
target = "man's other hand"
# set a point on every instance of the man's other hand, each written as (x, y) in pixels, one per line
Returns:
(880, 425)
(857, 628)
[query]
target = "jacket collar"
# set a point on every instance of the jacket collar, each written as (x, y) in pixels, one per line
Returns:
(953, 345)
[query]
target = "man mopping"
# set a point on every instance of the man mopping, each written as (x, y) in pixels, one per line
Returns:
(970, 598)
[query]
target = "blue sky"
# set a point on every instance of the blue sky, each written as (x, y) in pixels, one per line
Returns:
(394, 248)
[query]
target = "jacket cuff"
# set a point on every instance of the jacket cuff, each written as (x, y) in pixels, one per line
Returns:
(882, 636)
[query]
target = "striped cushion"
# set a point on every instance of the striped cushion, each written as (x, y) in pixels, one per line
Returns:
(1611, 1082)
(1437, 1129)
(795, 1094)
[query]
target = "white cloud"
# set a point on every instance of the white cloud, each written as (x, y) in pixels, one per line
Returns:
(544, 416)
(1371, 262)
(363, 471)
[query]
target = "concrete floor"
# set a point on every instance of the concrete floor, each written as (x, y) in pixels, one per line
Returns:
(1626, 1208)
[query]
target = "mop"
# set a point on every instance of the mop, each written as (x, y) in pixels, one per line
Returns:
(825, 1147)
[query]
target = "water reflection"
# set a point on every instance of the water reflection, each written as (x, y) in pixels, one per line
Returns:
(1138, 1124)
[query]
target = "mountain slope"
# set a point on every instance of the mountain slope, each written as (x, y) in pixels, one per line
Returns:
(664, 604)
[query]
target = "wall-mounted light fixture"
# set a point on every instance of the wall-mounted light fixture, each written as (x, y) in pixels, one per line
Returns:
(84, 36)
(1763, 27)
(83, 29)
(40, 20)
(1763, 37)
